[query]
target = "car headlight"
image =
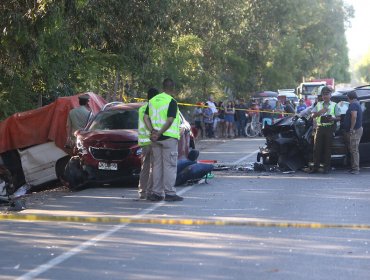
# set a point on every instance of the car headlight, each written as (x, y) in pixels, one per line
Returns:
(80, 146)
(138, 152)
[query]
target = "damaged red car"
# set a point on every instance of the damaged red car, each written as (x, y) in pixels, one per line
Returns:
(108, 151)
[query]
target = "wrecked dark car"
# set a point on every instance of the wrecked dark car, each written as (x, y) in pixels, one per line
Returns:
(289, 142)
(108, 150)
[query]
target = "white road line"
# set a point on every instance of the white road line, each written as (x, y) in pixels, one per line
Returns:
(248, 156)
(65, 256)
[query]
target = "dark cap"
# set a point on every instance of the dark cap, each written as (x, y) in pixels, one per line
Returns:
(325, 90)
(84, 97)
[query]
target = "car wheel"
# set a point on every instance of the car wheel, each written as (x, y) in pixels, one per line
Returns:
(259, 155)
(60, 167)
(74, 175)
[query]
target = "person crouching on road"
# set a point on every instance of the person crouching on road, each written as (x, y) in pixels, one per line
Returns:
(146, 178)
(354, 130)
(326, 113)
(162, 118)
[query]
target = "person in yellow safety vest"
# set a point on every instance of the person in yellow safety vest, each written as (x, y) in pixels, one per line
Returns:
(327, 114)
(145, 179)
(163, 120)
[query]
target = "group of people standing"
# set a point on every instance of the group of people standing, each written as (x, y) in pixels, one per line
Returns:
(326, 114)
(159, 132)
(229, 119)
(221, 119)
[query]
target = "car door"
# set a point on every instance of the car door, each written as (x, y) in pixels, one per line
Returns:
(365, 139)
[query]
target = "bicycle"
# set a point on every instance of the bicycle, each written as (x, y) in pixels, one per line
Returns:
(254, 128)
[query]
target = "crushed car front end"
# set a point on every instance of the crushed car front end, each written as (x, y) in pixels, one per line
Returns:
(110, 156)
(288, 143)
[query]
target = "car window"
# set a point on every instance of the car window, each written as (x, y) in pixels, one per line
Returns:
(343, 107)
(294, 99)
(366, 111)
(115, 119)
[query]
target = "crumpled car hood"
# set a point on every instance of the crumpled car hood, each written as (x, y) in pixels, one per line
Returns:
(279, 126)
(117, 136)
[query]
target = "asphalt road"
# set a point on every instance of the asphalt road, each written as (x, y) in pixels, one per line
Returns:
(61, 250)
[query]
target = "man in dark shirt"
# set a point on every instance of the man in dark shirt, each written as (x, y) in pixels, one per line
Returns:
(353, 128)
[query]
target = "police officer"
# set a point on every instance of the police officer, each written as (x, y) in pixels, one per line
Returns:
(326, 113)
(146, 179)
(163, 120)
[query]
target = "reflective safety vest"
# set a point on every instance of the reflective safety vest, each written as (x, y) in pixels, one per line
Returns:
(143, 132)
(158, 108)
(319, 106)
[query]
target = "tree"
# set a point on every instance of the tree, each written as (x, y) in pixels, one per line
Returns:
(363, 68)
(118, 49)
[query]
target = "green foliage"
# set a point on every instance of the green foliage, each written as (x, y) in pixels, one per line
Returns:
(51, 48)
(363, 68)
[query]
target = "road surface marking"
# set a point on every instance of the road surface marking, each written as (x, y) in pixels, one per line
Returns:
(63, 257)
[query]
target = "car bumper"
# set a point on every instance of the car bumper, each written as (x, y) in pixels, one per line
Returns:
(108, 177)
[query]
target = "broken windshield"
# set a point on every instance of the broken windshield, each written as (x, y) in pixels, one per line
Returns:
(115, 119)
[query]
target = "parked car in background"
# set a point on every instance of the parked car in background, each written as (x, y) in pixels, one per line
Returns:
(288, 94)
(108, 150)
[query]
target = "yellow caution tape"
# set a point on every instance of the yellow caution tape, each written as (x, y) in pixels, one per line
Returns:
(236, 109)
(187, 222)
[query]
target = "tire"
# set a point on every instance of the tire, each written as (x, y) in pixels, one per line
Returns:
(60, 167)
(259, 156)
(73, 174)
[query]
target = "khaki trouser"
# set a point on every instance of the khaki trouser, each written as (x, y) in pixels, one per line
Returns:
(146, 177)
(164, 166)
(353, 141)
(322, 146)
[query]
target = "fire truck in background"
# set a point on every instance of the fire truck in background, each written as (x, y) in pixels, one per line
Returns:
(312, 87)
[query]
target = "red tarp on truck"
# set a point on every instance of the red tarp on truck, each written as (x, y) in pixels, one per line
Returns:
(42, 125)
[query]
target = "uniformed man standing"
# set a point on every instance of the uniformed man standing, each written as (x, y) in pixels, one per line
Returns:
(146, 178)
(327, 114)
(163, 120)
